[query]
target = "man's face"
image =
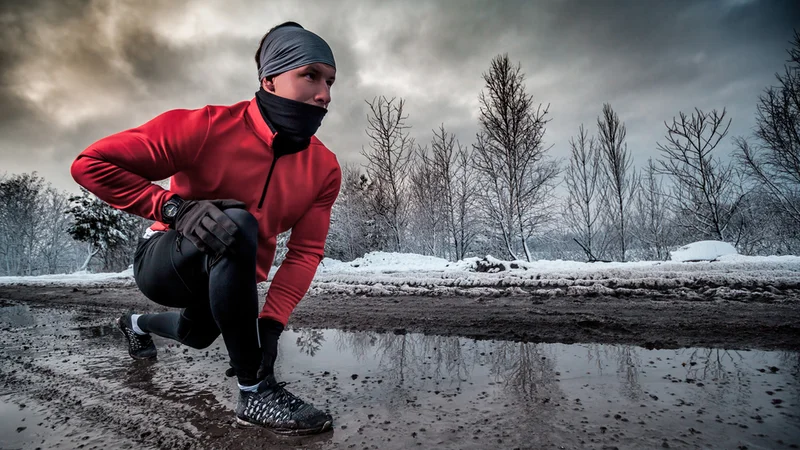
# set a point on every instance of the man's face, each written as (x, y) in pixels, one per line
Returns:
(308, 84)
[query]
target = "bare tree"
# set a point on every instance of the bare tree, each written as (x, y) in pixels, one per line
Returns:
(427, 194)
(349, 235)
(619, 177)
(458, 184)
(35, 228)
(516, 177)
(389, 164)
(55, 241)
(21, 211)
(583, 187)
(703, 191)
(651, 220)
(774, 159)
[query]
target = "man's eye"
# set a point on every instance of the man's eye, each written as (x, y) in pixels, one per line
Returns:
(310, 76)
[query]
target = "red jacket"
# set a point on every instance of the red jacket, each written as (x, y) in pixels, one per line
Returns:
(219, 152)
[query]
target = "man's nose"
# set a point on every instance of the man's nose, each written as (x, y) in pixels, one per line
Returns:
(323, 96)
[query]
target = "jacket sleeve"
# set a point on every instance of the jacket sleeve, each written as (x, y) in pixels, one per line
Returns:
(306, 247)
(119, 169)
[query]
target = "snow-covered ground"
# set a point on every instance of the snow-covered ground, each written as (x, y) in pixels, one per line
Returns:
(82, 278)
(725, 274)
(703, 251)
(403, 274)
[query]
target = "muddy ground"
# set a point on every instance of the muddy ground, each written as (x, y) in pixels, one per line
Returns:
(761, 323)
(408, 372)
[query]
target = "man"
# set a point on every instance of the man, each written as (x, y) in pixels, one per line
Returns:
(240, 175)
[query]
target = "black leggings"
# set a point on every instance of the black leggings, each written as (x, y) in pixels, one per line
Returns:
(219, 298)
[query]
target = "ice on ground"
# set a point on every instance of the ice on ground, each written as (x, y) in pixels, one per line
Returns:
(703, 251)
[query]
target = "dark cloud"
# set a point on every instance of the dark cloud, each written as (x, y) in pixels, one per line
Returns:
(73, 71)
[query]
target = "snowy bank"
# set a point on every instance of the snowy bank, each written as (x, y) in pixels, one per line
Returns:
(387, 274)
(729, 276)
(81, 278)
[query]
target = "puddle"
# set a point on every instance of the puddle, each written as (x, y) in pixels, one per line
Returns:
(394, 391)
(625, 395)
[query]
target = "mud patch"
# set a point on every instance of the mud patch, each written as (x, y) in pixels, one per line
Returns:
(389, 390)
(646, 322)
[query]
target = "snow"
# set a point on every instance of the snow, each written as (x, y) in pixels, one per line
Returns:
(724, 274)
(386, 262)
(703, 251)
(80, 278)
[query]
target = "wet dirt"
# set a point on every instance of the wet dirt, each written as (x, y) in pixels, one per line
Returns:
(66, 381)
(699, 321)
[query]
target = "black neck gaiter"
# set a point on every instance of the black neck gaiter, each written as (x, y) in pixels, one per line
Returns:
(293, 122)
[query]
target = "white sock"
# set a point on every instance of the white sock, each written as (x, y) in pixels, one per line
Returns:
(252, 388)
(134, 321)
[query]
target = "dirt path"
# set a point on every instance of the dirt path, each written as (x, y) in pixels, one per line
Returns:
(667, 323)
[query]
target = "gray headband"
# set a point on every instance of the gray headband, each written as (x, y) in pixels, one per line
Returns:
(290, 47)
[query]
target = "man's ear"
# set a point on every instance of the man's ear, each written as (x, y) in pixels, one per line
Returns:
(268, 83)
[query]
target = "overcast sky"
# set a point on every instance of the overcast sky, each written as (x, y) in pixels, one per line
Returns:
(73, 71)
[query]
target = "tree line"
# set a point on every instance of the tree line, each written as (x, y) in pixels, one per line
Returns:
(503, 195)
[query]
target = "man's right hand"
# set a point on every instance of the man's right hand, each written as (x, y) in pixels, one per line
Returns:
(206, 226)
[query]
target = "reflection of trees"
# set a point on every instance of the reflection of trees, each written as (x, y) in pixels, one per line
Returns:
(791, 363)
(402, 356)
(446, 358)
(525, 369)
(628, 364)
(310, 341)
(356, 342)
(596, 352)
(727, 369)
(710, 364)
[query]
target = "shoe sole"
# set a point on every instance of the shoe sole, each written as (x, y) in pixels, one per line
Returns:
(119, 325)
(328, 425)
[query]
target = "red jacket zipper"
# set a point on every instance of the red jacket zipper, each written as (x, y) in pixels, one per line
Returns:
(269, 176)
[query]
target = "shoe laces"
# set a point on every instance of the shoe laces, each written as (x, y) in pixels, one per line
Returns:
(283, 397)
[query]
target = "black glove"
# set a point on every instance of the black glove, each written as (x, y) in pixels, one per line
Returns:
(206, 226)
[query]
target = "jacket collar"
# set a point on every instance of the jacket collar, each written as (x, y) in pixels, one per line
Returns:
(257, 123)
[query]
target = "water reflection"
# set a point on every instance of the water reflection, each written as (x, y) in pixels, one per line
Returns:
(13, 316)
(626, 361)
(310, 341)
(527, 369)
(533, 372)
(96, 331)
